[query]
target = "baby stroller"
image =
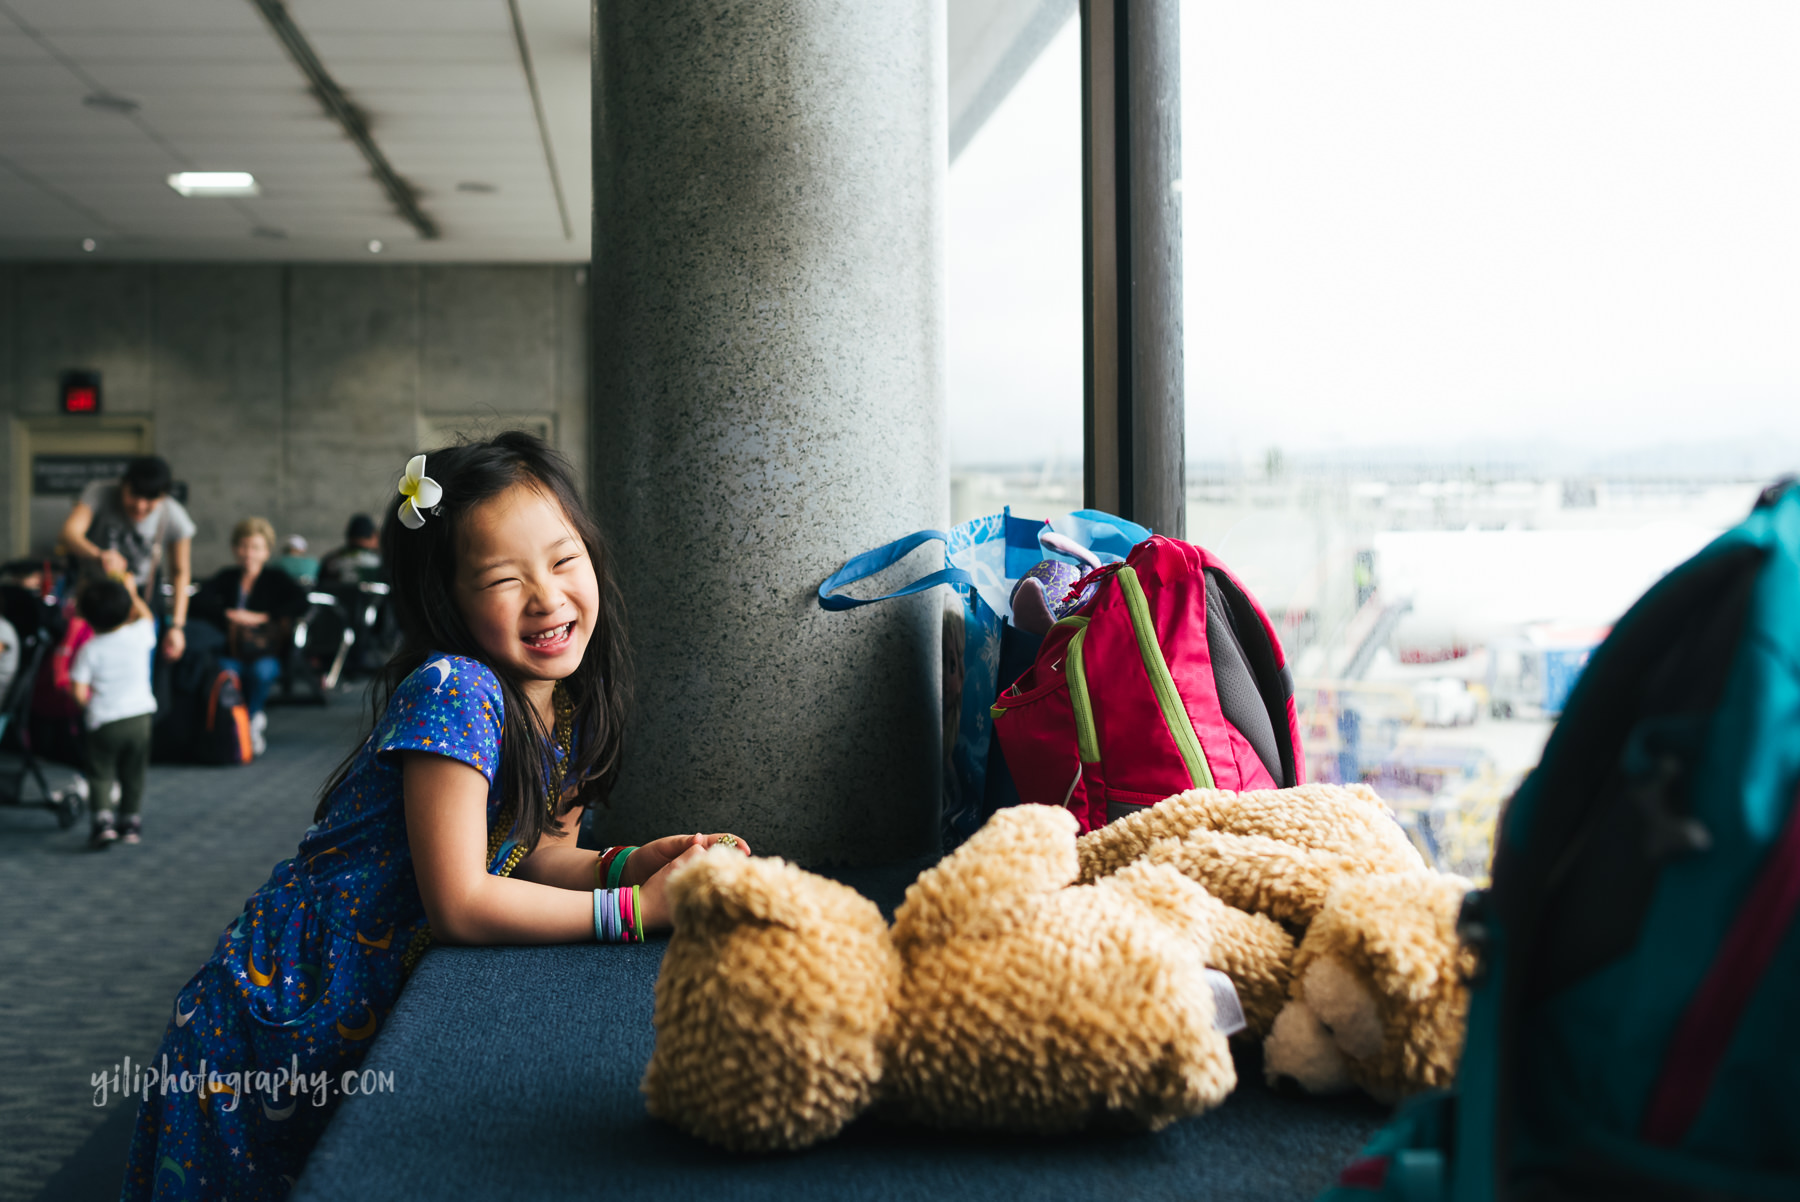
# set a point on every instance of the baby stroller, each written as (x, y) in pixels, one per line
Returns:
(38, 620)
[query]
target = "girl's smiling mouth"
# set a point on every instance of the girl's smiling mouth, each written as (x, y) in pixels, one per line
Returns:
(552, 640)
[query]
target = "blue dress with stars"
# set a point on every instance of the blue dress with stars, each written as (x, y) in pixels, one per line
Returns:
(302, 980)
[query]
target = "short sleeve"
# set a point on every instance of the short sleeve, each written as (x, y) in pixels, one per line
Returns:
(450, 707)
(179, 524)
(97, 493)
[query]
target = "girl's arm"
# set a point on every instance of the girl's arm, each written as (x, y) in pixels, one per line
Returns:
(558, 861)
(446, 827)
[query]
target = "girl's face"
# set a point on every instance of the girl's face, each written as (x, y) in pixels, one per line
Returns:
(252, 553)
(526, 586)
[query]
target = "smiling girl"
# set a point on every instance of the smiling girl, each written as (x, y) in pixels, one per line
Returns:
(497, 723)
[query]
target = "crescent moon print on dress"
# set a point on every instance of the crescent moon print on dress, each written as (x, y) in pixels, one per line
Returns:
(303, 980)
(362, 1032)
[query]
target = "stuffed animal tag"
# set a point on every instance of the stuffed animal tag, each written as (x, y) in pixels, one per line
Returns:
(1228, 1013)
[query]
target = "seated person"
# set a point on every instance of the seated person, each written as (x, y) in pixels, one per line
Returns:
(254, 604)
(343, 573)
(359, 559)
(296, 562)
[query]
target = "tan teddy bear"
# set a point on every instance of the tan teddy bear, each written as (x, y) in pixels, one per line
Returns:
(1375, 993)
(1004, 997)
(1270, 856)
(1380, 989)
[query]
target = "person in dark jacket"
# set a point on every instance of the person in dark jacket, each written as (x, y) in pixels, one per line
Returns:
(255, 605)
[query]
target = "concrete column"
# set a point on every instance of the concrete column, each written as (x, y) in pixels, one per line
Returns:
(768, 400)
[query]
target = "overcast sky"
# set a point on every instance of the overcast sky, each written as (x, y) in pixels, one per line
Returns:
(1413, 224)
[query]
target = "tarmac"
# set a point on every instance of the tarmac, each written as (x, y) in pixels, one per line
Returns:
(94, 946)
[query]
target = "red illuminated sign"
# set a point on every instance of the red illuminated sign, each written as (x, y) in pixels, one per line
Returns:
(81, 392)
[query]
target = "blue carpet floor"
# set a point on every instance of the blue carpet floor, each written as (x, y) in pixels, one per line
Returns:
(95, 944)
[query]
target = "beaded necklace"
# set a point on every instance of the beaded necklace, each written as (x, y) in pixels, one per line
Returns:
(565, 722)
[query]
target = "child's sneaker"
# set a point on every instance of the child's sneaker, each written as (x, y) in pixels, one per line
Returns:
(134, 830)
(103, 836)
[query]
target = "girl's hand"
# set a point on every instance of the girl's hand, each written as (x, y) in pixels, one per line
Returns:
(654, 895)
(651, 858)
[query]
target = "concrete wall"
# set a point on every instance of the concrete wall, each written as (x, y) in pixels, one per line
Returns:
(295, 392)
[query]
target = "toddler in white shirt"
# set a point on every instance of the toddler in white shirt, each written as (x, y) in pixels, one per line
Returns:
(111, 675)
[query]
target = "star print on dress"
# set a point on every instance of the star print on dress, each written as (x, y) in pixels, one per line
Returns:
(305, 977)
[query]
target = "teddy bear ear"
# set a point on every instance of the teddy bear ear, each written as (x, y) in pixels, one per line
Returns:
(725, 888)
(1402, 926)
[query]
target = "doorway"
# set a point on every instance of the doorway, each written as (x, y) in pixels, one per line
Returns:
(54, 458)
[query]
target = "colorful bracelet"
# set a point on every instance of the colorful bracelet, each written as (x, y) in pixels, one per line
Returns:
(617, 870)
(619, 915)
(602, 862)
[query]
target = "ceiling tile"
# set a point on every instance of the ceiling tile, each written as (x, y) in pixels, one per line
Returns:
(440, 79)
(317, 18)
(54, 18)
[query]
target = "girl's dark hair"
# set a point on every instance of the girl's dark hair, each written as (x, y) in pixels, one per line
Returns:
(421, 564)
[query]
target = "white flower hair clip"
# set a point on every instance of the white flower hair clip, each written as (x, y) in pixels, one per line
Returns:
(421, 492)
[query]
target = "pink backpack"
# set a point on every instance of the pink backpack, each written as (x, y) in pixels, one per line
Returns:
(1169, 678)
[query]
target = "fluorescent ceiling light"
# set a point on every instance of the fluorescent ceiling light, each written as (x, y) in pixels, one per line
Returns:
(214, 183)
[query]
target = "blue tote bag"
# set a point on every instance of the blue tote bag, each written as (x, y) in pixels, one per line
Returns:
(983, 651)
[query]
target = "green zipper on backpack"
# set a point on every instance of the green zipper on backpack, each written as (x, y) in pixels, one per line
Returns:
(1174, 713)
(1087, 741)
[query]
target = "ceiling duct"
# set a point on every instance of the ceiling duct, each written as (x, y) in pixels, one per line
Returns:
(346, 114)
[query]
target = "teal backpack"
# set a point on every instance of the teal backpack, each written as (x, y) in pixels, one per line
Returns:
(1634, 1031)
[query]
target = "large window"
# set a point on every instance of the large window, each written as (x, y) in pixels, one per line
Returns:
(1490, 317)
(1490, 322)
(1015, 298)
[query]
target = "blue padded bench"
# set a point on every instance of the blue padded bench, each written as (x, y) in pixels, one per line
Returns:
(516, 1076)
